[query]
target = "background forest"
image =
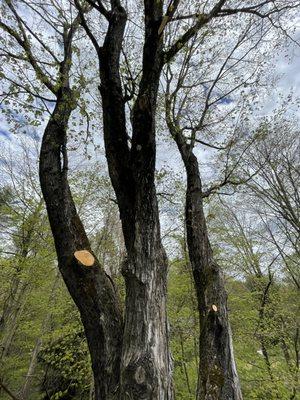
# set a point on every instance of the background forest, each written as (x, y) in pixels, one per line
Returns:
(43, 348)
(165, 128)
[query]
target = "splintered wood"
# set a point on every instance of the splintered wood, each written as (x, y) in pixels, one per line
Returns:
(84, 257)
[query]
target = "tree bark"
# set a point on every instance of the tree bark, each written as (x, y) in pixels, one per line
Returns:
(218, 379)
(90, 287)
(146, 363)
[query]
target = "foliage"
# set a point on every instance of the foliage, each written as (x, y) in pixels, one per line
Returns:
(66, 367)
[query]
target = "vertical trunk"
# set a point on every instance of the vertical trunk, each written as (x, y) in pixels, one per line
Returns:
(184, 364)
(18, 286)
(90, 287)
(145, 365)
(218, 379)
(261, 335)
(9, 303)
(25, 391)
(266, 358)
(289, 362)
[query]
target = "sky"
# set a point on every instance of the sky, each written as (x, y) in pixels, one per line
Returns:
(287, 68)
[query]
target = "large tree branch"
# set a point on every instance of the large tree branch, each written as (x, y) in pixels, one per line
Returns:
(99, 7)
(87, 28)
(257, 9)
(218, 11)
(143, 115)
(202, 20)
(168, 16)
(25, 28)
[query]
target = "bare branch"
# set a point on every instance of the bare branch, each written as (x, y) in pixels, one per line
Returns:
(25, 44)
(87, 28)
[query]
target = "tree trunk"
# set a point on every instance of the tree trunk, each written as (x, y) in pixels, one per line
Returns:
(218, 379)
(146, 364)
(9, 302)
(18, 287)
(91, 289)
(183, 364)
(25, 391)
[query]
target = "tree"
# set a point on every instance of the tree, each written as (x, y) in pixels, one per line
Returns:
(249, 255)
(26, 255)
(126, 364)
(219, 81)
(276, 189)
(90, 287)
(131, 170)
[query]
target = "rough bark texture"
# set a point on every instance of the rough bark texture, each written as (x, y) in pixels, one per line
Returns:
(91, 289)
(218, 379)
(146, 364)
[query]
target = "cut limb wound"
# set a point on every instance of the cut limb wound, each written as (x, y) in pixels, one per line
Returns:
(84, 257)
(214, 308)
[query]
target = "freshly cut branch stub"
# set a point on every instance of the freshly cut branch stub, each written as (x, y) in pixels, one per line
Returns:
(85, 257)
(214, 308)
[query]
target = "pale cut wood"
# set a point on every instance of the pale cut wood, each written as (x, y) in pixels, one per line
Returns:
(214, 308)
(85, 258)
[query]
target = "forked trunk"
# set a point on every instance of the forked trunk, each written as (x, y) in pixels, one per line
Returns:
(145, 365)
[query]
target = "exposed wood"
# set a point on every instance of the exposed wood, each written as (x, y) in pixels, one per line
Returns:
(90, 288)
(85, 258)
(218, 379)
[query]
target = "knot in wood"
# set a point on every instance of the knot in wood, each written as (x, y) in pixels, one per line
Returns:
(140, 375)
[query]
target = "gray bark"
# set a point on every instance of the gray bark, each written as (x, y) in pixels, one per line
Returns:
(218, 379)
(146, 368)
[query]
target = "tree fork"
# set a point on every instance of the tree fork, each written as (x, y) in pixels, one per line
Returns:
(146, 365)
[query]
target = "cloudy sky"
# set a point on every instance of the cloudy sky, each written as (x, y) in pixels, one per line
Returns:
(286, 65)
